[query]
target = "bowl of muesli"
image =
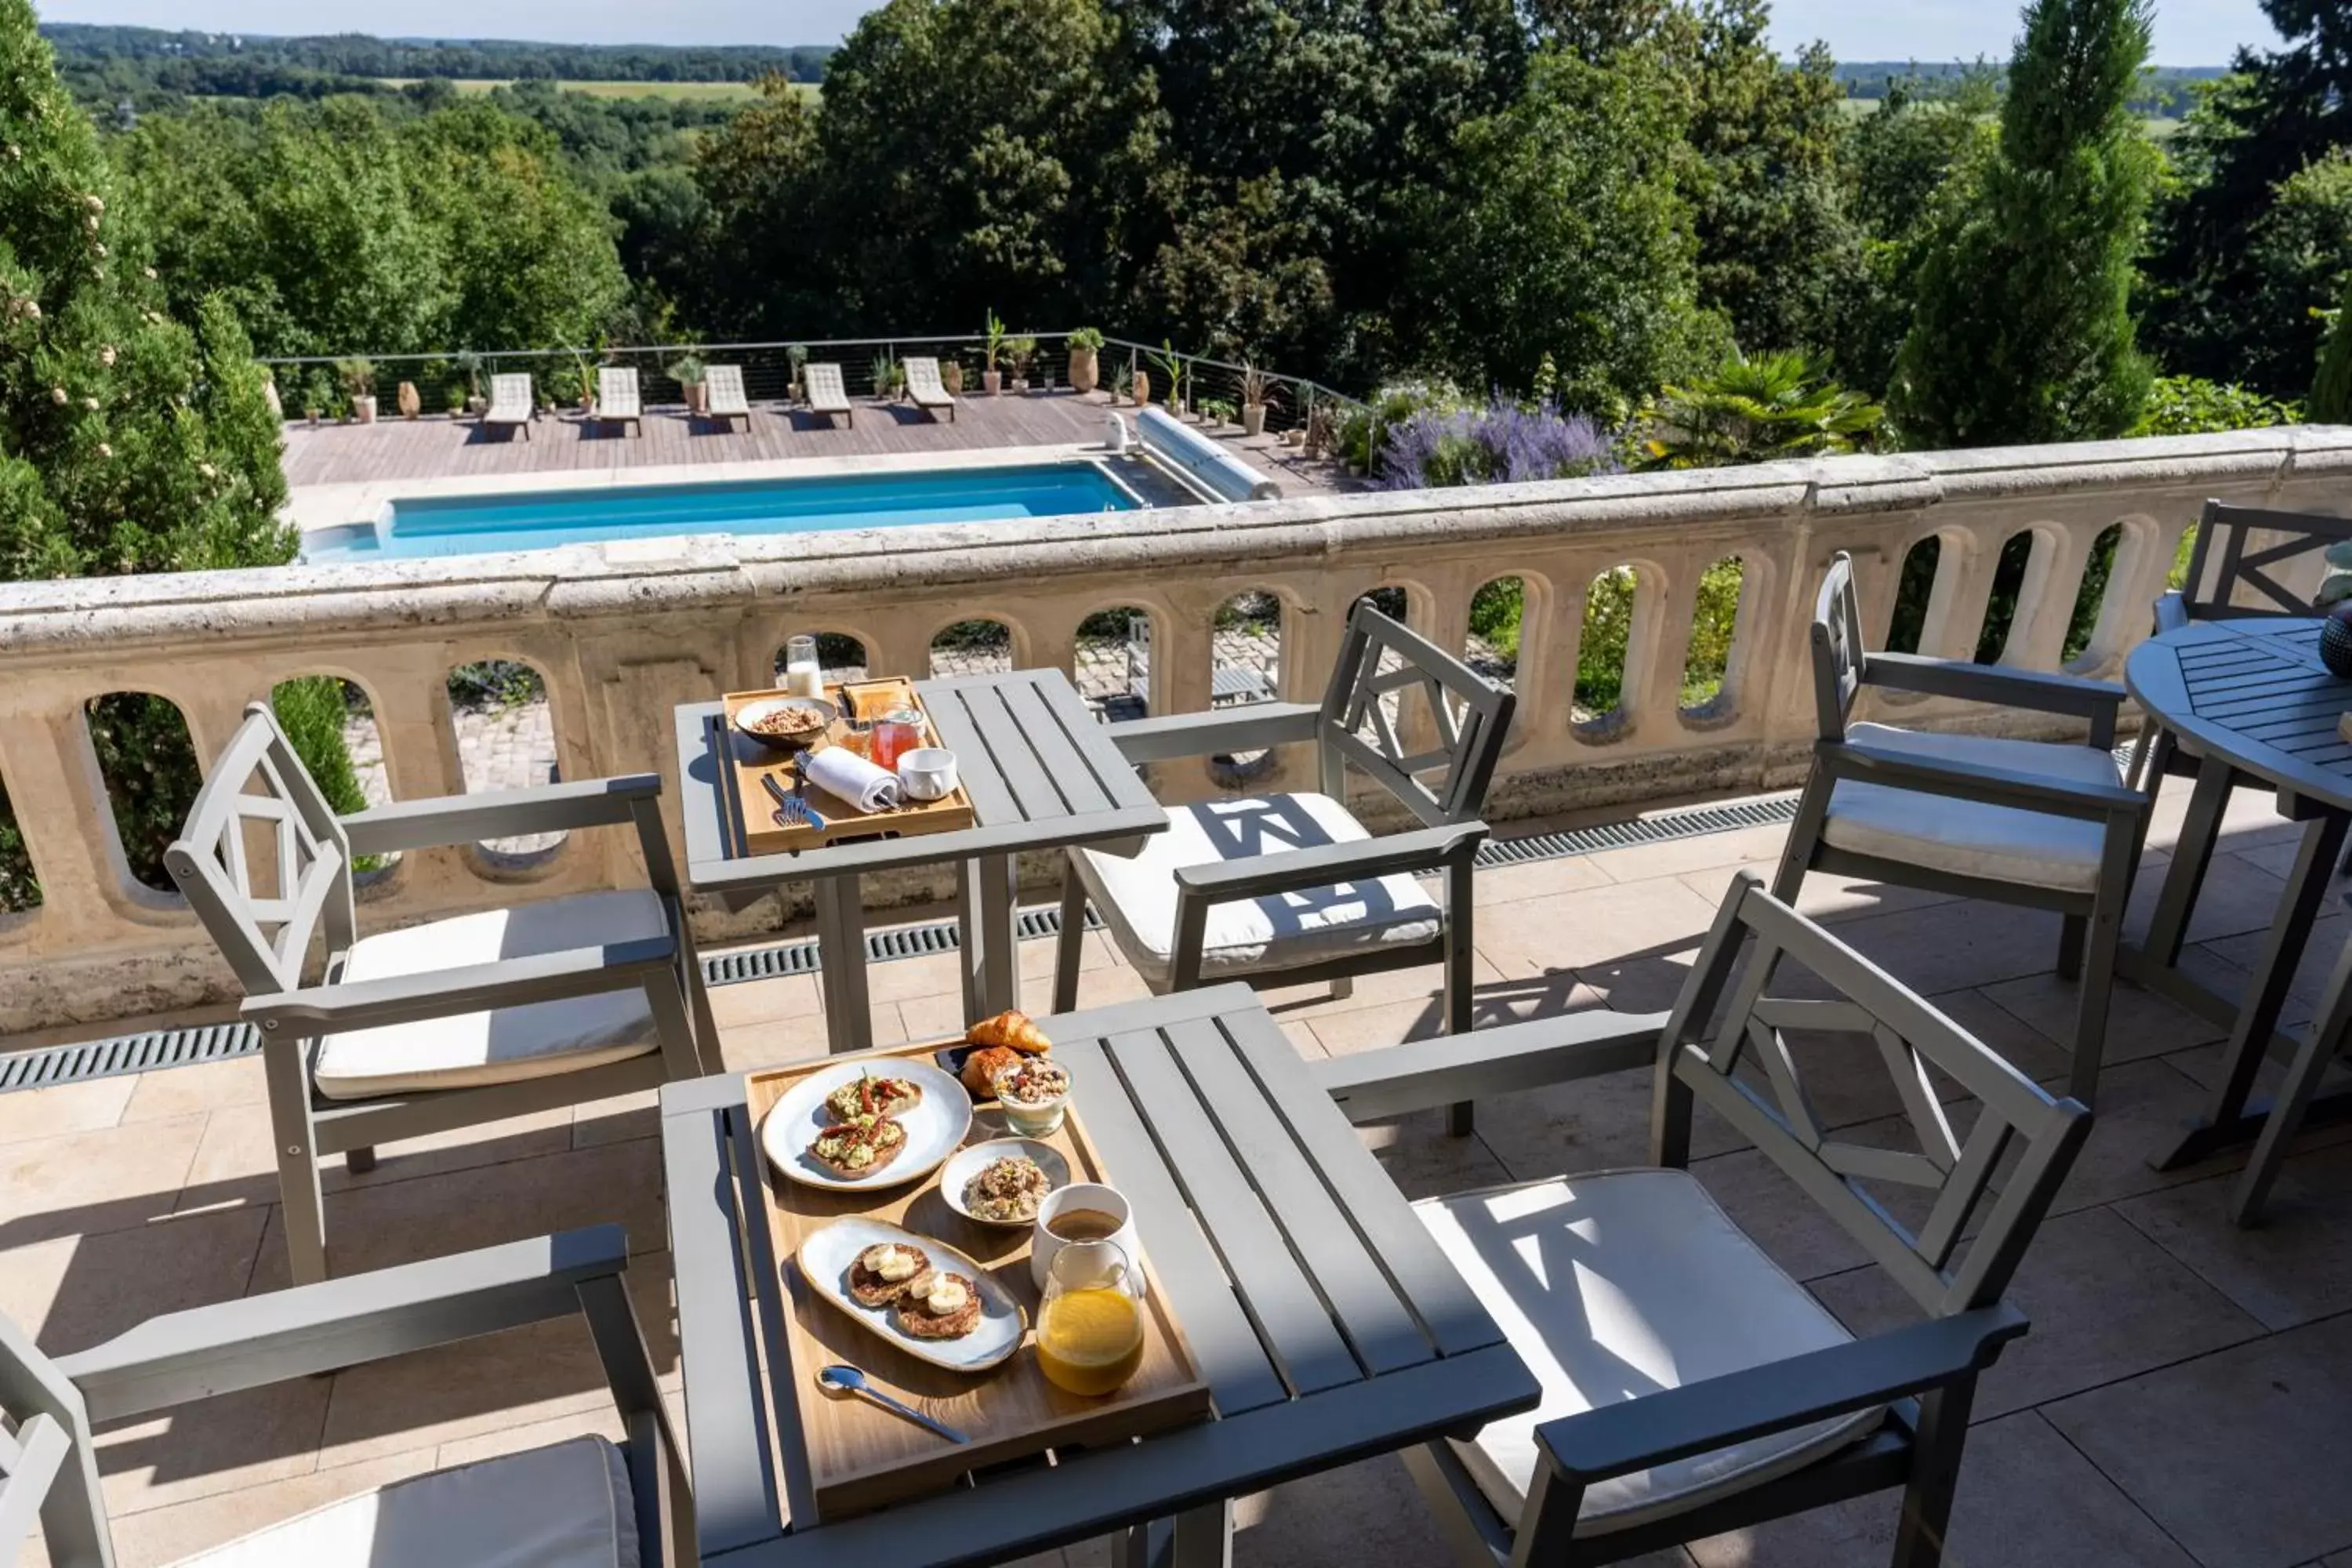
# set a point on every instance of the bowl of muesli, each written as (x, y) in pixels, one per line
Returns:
(1001, 1183)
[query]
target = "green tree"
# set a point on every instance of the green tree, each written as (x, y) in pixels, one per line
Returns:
(1758, 410)
(2331, 387)
(1565, 236)
(760, 179)
(2023, 330)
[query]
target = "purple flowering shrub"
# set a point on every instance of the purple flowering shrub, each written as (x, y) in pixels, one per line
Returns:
(1503, 443)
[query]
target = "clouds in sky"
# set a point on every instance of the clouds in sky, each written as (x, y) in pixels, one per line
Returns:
(2187, 32)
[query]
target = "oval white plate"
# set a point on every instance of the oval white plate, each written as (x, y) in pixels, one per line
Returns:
(969, 1163)
(824, 1257)
(934, 1127)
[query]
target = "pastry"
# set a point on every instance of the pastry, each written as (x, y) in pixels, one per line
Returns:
(939, 1306)
(981, 1067)
(869, 1095)
(858, 1148)
(1013, 1029)
(882, 1274)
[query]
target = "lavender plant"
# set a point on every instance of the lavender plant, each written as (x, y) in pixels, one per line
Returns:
(1504, 443)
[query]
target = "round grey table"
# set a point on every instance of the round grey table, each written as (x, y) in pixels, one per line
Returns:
(2250, 702)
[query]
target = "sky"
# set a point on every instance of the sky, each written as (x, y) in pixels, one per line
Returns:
(2187, 32)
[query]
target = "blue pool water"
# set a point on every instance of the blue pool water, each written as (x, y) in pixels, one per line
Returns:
(467, 525)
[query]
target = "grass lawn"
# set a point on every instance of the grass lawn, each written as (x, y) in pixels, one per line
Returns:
(713, 92)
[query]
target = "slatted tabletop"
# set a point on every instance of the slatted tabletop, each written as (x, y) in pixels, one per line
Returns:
(2253, 693)
(1040, 768)
(1327, 1323)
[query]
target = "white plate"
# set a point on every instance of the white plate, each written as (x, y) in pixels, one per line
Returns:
(824, 1257)
(934, 1127)
(969, 1163)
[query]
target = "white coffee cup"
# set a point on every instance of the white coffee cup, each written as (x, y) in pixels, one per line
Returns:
(1044, 1243)
(928, 772)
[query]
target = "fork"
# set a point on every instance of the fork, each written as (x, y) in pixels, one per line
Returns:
(793, 810)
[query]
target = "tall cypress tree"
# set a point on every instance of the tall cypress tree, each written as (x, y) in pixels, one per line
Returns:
(2023, 330)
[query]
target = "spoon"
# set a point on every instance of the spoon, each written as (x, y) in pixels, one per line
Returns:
(847, 1379)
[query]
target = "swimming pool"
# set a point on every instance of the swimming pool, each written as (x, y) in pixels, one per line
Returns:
(540, 520)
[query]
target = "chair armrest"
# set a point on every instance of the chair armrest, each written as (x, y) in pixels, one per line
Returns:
(477, 987)
(310, 1329)
(1867, 763)
(1699, 1418)
(1371, 1086)
(1995, 683)
(1245, 729)
(499, 814)
(1298, 870)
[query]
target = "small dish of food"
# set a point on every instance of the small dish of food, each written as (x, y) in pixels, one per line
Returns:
(1002, 1181)
(948, 1311)
(821, 1136)
(786, 723)
(1035, 1094)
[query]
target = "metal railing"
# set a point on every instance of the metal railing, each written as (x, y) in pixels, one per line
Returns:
(1211, 390)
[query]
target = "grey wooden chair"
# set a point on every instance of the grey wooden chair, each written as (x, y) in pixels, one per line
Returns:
(571, 1504)
(1290, 889)
(453, 1022)
(2041, 824)
(1690, 1385)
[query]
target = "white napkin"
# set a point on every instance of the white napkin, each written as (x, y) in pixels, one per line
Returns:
(842, 773)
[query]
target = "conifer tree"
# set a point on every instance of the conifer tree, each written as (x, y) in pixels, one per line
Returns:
(2023, 330)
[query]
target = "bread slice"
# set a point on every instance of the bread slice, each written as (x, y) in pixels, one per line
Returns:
(836, 1148)
(916, 1318)
(867, 1095)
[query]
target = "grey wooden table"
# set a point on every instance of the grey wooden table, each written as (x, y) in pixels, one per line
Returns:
(2250, 699)
(1328, 1324)
(1042, 775)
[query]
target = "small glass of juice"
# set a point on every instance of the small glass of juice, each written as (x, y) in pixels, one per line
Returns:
(1090, 1325)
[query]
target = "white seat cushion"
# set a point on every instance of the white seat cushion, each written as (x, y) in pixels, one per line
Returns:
(1281, 930)
(1967, 838)
(568, 1505)
(1619, 1284)
(512, 1042)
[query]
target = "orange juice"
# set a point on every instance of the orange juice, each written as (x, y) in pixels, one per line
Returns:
(1090, 1342)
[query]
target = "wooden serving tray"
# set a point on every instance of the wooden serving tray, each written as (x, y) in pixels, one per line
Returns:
(752, 762)
(861, 1456)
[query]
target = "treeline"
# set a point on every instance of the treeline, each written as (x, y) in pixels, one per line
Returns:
(357, 53)
(2164, 92)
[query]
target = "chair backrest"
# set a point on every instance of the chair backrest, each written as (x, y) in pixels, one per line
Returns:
(2231, 578)
(722, 385)
(1726, 1044)
(510, 391)
(1378, 662)
(48, 1469)
(923, 378)
(616, 387)
(1837, 648)
(263, 901)
(823, 384)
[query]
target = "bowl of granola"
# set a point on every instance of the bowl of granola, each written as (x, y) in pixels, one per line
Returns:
(1001, 1183)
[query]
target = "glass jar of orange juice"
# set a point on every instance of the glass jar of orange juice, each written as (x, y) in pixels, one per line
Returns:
(1090, 1325)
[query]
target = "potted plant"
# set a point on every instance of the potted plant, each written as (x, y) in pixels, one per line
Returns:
(951, 375)
(1257, 388)
(358, 385)
(1086, 347)
(1023, 352)
(470, 361)
(409, 404)
(796, 357)
(991, 381)
(688, 373)
(269, 391)
(1171, 364)
(586, 375)
(888, 377)
(454, 396)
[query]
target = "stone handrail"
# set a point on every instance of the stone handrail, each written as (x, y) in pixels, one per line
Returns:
(624, 632)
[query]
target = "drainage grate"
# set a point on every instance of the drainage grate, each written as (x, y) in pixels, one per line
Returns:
(156, 1049)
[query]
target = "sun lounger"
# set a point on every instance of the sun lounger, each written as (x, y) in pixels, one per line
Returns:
(923, 386)
(617, 398)
(511, 402)
(825, 394)
(723, 392)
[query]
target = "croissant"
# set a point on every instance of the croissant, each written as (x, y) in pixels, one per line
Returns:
(981, 1067)
(1012, 1029)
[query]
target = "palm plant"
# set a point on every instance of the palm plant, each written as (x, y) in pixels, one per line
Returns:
(1756, 411)
(1171, 364)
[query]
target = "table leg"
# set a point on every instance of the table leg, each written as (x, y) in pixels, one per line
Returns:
(841, 955)
(2229, 1122)
(2185, 878)
(2319, 1048)
(1205, 1537)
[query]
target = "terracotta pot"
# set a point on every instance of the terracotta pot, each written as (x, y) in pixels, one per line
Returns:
(951, 377)
(269, 391)
(409, 404)
(992, 381)
(696, 395)
(1140, 388)
(1084, 372)
(1252, 419)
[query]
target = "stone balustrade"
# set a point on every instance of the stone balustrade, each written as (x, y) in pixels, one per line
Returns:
(622, 633)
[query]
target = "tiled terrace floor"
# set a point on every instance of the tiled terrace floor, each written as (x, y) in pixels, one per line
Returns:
(2184, 1396)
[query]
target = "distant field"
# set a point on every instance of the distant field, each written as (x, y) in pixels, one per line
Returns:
(2159, 130)
(708, 91)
